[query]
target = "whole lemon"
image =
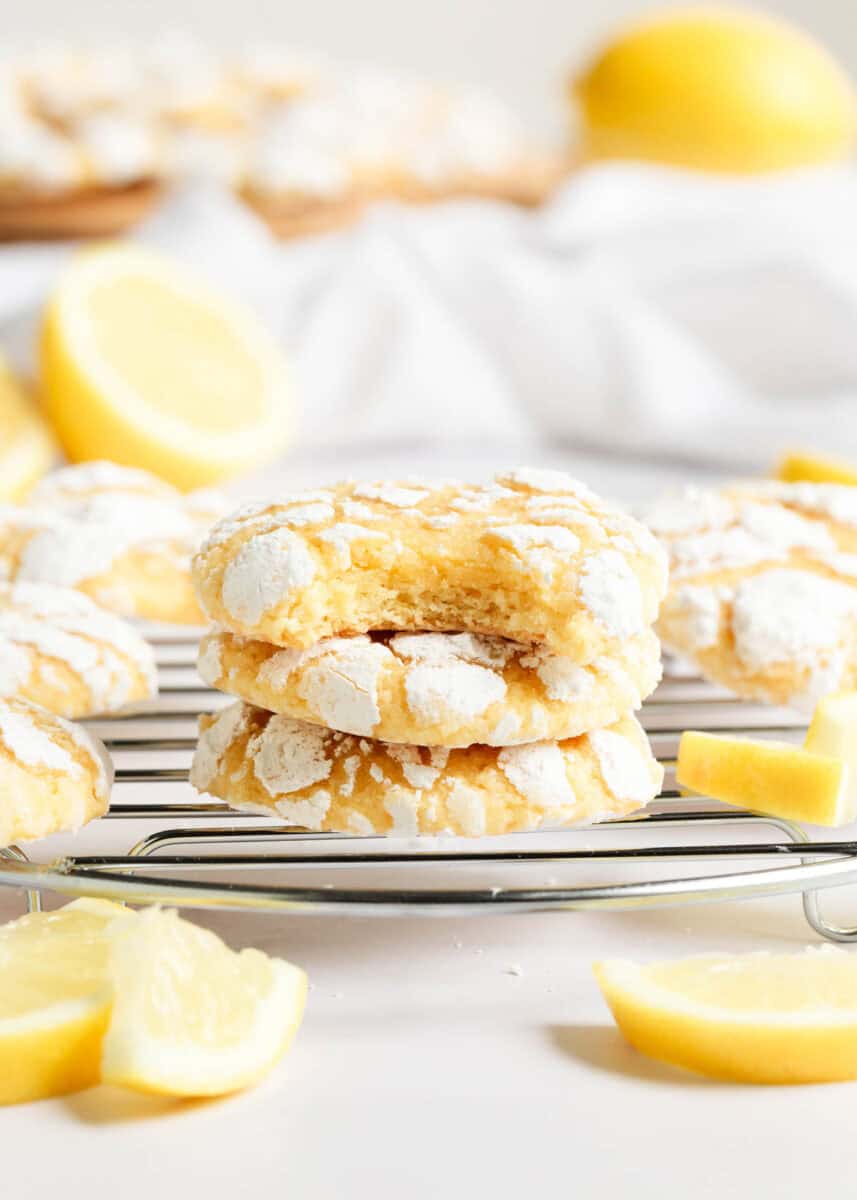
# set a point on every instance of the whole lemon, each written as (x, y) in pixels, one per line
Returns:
(717, 89)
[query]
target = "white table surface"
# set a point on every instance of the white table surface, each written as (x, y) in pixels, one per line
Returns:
(427, 1068)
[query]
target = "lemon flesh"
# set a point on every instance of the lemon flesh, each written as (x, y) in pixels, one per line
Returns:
(766, 776)
(27, 448)
(799, 467)
(55, 998)
(142, 364)
(719, 90)
(753, 1018)
(192, 1017)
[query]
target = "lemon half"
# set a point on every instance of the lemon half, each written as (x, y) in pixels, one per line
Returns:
(753, 1018)
(144, 365)
(718, 89)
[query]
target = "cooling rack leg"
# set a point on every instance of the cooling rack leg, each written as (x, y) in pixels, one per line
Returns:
(810, 900)
(34, 898)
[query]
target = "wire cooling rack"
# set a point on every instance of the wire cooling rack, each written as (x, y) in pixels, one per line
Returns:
(198, 853)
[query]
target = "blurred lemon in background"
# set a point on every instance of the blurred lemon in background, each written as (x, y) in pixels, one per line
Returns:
(717, 89)
(27, 448)
(143, 365)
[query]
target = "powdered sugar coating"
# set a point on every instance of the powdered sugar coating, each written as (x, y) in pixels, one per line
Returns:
(788, 616)
(62, 651)
(400, 790)
(267, 570)
(538, 772)
(434, 688)
(611, 591)
(118, 534)
(54, 776)
(764, 597)
(554, 566)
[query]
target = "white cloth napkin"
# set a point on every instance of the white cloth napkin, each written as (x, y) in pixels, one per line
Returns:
(644, 310)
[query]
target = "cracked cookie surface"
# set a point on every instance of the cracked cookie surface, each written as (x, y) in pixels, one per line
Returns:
(322, 780)
(763, 593)
(435, 689)
(533, 556)
(63, 652)
(119, 535)
(54, 776)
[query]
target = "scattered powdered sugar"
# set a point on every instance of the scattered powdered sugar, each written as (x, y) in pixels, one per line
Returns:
(403, 808)
(14, 667)
(562, 678)
(524, 538)
(458, 689)
(349, 769)
(289, 755)
(610, 590)
(538, 772)
(442, 521)
(442, 649)
(834, 500)
(467, 806)
(360, 824)
(342, 687)
(783, 529)
(265, 572)
(97, 754)
(389, 493)
(355, 511)
(308, 514)
(697, 611)
(210, 660)
(788, 616)
(720, 549)
(506, 730)
(31, 745)
(376, 773)
(417, 773)
(689, 510)
(67, 552)
(309, 813)
(276, 670)
(342, 535)
(540, 480)
(226, 728)
(624, 768)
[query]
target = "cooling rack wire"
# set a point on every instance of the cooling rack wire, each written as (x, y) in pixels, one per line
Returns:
(198, 853)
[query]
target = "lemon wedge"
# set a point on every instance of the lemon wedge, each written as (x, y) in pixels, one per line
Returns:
(798, 467)
(143, 365)
(55, 1000)
(192, 1017)
(833, 732)
(750, 1018)
(145, 1000)
(767, 776)
(716, 89)
(27, 449)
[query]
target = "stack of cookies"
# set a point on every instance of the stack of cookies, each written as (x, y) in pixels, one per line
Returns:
(426, 658)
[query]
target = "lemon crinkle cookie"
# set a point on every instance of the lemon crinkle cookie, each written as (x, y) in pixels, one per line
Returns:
(435, 689)
(533, 556)
(118, 534)
(54, 777)
(63, 652)
(324, 780)
(763, 596)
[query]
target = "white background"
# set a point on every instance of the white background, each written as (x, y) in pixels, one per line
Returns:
(521, 47)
